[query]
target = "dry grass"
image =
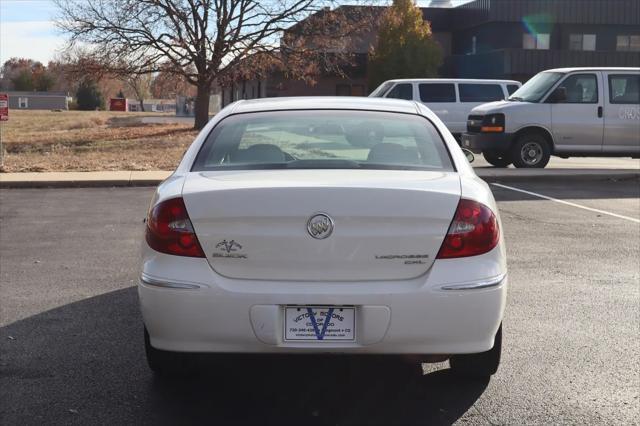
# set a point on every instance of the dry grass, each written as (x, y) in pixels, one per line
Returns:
(90, 141)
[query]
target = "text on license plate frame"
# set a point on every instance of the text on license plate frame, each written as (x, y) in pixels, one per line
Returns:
(316, 331)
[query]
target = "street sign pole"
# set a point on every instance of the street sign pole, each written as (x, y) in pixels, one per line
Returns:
(4, 116)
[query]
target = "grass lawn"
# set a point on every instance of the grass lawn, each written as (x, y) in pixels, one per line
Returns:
(36, 141)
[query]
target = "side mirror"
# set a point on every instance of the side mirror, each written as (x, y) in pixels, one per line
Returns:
(469, 155)
(559, 95)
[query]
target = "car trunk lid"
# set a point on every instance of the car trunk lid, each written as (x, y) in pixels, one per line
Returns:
(387, 224)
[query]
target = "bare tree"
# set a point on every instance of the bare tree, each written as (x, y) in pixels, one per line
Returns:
(167, 84)
(140, 85)
(204, 41)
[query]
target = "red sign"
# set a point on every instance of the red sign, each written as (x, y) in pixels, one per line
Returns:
(4, 107)
(117, 104)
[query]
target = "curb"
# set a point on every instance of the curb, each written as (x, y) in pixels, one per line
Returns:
(83, 179)
(582, 177)
(107, 183)
(489, 176)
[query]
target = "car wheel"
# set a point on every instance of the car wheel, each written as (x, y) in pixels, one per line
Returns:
(169, 364)
(481, 365)
(497, 159)
(531, 150)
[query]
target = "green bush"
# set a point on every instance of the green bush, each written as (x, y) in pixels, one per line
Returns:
(88, 97)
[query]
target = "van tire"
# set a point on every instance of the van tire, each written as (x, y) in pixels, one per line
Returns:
(481, 365)
(531, 150)
(497, 159)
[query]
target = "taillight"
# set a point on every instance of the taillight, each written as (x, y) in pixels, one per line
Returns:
(474, 231)
(170, 231)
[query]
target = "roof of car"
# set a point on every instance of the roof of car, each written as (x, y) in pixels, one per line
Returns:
(451, 80)
(326, 102)
(567, 70)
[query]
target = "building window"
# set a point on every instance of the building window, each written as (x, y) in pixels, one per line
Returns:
(357, 90)
(23, 102)
(536, 41)
(628, 43)
(350, 90)
(343, 90)
(582, 42)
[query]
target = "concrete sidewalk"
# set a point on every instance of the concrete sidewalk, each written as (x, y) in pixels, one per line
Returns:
(147, 178)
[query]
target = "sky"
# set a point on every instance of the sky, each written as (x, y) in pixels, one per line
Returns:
(27, 29)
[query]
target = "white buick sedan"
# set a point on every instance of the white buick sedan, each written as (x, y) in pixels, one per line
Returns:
(324, 225)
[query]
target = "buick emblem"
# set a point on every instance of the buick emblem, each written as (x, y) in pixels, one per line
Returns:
(320, 226)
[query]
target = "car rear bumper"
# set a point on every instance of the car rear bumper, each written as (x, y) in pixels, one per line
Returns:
(428, 315)
(478, 142)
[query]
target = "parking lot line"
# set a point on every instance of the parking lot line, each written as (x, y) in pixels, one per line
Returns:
(535, 194)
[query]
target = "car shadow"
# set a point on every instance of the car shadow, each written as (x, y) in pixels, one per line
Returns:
(84, 363)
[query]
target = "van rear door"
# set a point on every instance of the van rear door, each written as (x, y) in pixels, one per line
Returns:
(622, 113)
(577, 121)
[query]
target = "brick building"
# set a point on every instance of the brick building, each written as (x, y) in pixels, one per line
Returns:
(503, 39)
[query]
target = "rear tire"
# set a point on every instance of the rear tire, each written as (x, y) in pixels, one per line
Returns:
(531, 150)
(168, 364)
(481, 365)
(497, 159)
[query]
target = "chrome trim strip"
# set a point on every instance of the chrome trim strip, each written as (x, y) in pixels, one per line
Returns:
(145, 279)
(475, 285)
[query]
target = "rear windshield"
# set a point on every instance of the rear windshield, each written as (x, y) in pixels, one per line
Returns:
(323, 139)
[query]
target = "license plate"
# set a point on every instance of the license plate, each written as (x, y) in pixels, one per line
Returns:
(319, 323)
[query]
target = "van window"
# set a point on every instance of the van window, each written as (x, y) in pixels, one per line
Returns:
(480, 92)
(534, 89)
(437, 92)
(381, 90)
(624, 89)
(401, 91)
(512, 88)
(581, 89)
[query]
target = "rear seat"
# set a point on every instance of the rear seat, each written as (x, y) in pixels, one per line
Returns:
(259, 153)
(392, 153)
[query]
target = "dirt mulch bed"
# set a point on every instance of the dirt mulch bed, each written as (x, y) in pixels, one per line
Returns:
(38, 141)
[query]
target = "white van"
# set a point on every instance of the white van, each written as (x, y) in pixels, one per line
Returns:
(450, 99)
(565, 112)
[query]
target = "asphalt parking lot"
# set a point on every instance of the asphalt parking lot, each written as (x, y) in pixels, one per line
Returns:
(71, 347)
